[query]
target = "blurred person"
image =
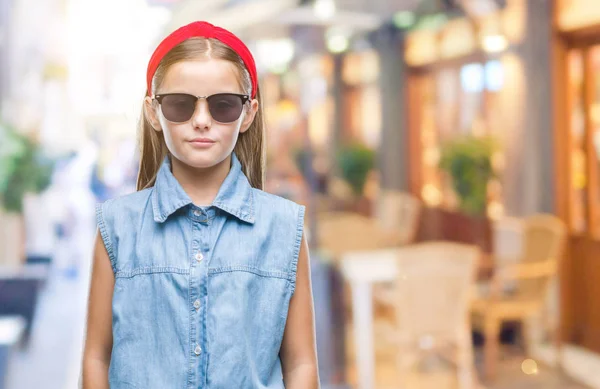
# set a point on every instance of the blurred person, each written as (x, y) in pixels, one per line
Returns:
(41, 216)
(58, 187)
(75, 197)
(200, 277)
(117, 176)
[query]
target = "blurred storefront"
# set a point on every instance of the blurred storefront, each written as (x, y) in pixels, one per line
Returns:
(498, 75)
(456, 88)
(466, 77)
(577, 152)
(361, 98)
(527, 75)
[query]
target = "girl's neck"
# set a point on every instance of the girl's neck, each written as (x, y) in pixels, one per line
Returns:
(202, 185)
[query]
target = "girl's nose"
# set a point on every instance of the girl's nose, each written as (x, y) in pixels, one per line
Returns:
(201, 118)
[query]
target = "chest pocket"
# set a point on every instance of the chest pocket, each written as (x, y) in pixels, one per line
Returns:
(251, 248)
(159, 248)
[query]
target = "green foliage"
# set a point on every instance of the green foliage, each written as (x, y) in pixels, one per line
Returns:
(23, 168)
(468, 161)
(355, 161)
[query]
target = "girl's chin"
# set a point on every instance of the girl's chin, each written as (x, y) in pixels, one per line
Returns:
(202, 159)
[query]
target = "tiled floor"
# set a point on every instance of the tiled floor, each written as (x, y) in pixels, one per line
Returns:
(510, 375)
(386, 379)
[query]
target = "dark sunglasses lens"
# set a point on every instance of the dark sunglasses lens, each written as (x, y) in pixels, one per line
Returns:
(178, 107)
(225, 108)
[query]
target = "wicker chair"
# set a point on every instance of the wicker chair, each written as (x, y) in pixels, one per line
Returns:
(529, 281)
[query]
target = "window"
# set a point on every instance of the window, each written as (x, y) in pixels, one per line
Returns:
(454, 101)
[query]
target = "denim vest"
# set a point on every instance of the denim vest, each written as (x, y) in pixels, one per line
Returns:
(201, 295)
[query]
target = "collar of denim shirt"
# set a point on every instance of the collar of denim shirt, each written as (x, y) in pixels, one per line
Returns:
(234, 197)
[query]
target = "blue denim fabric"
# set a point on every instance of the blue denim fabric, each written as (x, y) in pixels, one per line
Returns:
(201, 294)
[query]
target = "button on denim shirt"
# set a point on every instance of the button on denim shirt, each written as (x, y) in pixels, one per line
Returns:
(201, 295)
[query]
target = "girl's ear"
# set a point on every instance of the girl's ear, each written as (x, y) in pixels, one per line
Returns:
(150, 110)
(249, 117)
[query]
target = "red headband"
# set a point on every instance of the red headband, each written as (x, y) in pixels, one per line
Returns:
(204, 30)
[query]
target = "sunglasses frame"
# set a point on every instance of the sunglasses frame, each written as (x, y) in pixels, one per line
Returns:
(245, 99)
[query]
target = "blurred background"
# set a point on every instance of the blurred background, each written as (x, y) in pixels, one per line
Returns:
(448, 152)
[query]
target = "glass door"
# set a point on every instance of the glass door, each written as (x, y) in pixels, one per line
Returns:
(593, 136)
(584, 134)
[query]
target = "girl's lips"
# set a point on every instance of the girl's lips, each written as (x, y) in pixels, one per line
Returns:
(202, 142)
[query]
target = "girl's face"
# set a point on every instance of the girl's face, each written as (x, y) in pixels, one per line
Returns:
(201, 142)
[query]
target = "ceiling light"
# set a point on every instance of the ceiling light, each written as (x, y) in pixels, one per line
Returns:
(337, 44)
(324, 9)
(337, 39)
(274, 55)
(494, 43)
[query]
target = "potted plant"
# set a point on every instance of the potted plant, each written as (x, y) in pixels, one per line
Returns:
(23, 169)
(355, 162)
(468, 162)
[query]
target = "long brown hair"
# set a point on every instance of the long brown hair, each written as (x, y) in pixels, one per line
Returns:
(250, 146)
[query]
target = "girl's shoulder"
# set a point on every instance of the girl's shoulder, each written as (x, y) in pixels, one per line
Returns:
(274, 202)
(278, 211)
(125, 206)
(116, 217)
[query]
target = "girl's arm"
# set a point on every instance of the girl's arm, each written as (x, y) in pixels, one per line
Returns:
(98, 342)
(298, 349)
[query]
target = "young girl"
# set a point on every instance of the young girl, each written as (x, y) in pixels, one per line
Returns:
(200, 279)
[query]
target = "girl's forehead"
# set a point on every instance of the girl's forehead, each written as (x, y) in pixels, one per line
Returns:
(206, 75)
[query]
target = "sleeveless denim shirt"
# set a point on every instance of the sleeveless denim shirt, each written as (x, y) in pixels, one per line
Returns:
(201, 295)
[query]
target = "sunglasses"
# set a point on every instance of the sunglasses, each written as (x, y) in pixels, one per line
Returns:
(223, 107)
